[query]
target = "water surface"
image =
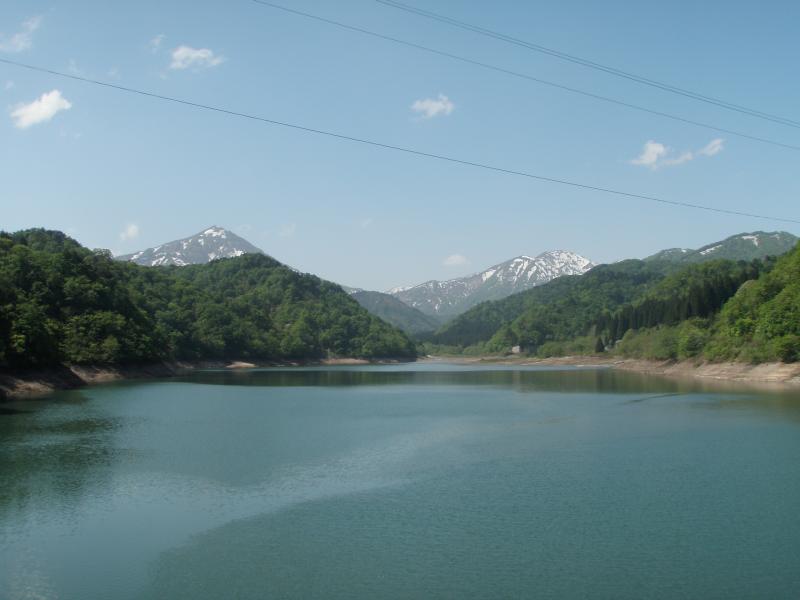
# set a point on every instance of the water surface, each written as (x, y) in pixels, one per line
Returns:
(435, 481)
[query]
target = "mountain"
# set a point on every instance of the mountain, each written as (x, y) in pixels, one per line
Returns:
(395, 312)
(210, 244)
(744, 246)
(564, 306)
(63, 303)
(455, 296)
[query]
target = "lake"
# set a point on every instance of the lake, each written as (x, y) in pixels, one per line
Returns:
(407, 481)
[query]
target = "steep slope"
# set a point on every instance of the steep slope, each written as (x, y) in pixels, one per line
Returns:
(395, 312)
(210, 244)
(743, 246)
(455, 296)
(762, 321)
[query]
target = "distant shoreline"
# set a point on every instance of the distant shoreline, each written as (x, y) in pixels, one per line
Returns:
(31, 383)
(40, 382)
(783, 374)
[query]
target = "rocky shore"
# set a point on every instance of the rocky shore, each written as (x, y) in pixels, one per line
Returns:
(764, 373)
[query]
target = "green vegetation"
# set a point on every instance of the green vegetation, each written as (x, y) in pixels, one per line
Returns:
(560, 310)
(396, 312)
(659, 310)
(60, 302)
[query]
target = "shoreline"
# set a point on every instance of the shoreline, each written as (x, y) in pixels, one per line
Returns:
(782, 374)
(41, 382)
(32, 383)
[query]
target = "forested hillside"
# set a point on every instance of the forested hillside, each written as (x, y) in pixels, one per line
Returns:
(395, 312)
(721, 310)
(560, 309)
(60, 302)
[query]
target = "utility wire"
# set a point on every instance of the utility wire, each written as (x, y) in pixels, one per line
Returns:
(349, 138)
(591, 64)
(529, 77)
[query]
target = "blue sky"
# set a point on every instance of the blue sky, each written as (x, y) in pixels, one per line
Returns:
(124, 172)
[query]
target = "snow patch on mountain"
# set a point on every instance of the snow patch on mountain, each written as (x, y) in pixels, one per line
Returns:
(211, 244)
(454, 296)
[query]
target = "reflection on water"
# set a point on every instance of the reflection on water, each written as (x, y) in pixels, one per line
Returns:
(402, 481)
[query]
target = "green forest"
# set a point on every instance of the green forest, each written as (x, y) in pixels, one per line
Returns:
(718, 310)
(63, 303)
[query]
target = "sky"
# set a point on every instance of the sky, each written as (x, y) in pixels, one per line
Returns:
(125, 172)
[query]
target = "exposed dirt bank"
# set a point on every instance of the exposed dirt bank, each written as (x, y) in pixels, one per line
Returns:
(766, 373)
(38, 382)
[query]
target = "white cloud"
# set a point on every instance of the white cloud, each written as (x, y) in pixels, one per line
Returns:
(288, 230)
(113, 72)
(9, 85)
(40, 110)
(656, 155)
(155, 43)
(23, 39)
(131, 232)
(651, 154)
(713, 147)
(185, 57)
(455, 260)
(365, 222)
(433, 107)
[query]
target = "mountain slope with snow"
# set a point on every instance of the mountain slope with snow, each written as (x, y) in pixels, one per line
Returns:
(743, 246)
(455, 296)
(210, 244)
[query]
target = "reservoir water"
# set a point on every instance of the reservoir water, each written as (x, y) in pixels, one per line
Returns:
(408, 481)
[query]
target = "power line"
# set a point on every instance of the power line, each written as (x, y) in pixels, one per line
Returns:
(591, 64)
(529, 77)
(349, 138)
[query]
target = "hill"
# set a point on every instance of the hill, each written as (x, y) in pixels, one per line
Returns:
(395, 312)
(63, 303)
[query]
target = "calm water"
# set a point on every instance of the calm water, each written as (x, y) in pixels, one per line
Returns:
(420, 481)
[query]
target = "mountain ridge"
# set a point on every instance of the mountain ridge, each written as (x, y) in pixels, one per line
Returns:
(451, 297)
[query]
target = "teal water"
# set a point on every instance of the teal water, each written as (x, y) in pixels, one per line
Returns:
(413, 481)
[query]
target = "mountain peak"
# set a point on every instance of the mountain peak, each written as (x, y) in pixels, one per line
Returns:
(454, 296)
(203, 247)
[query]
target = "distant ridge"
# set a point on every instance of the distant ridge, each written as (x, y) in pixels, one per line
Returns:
(201, 248)
(455, 296)
(743, 246)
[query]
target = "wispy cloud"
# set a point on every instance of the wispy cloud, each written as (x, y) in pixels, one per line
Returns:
(72, 68)
(656, 155)
(713, 147)
(23, 39)
(40, 110)
(9, 85)
(288, 230)
(155, 43)
(186, 57)
(366, 222)
(455, 260)
(131, 232)
(428, 108)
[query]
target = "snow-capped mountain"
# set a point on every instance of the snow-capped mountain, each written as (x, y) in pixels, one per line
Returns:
(454, 296)
(743, 246)
(214, 242)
